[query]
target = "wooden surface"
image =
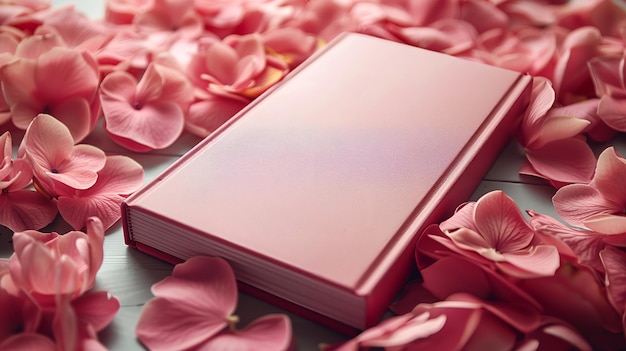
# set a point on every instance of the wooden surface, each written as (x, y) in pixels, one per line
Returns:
(128, 274)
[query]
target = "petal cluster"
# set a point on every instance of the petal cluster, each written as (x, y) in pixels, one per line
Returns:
(45, 291)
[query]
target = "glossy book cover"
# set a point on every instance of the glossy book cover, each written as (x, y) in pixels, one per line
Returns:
(317, 191)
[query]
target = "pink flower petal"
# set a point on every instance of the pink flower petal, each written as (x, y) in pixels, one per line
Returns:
(97, 309)
(268, 333)
(75, 115)
(576, 202)
(538, 261)
(578, 48)
(605, 74)
(79, 78)
(611, 111)
(557, 128)
(542, 99)
(468, 240)
(155, 126)
(221, 61)
(207, 115)
(606, 224)
(34, 46)
(18, 87)
(149, 87)
(190, 306)
(463, 218)
(26, 209)
(501, 223)
(119, 177)
(568, 161)
(207, 282)
(614, 261)
(610, 169)
(169, 325)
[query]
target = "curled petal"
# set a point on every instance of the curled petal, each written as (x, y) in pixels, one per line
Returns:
(612, 111)
(559, 128)
(614, 262)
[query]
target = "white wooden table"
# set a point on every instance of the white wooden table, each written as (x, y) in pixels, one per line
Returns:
(128, 274)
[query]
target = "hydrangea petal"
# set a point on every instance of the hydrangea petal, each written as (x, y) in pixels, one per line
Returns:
(614, 261)
(268, 333)
(68, 66)
(190, 306)
(26, 209)
(538, 261)
(568, 160)
(576, 202)
(501, 223)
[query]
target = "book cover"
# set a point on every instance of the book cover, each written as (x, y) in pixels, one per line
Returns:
(317, 191)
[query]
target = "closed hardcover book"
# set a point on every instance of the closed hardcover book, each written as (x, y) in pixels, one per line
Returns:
(317, 191)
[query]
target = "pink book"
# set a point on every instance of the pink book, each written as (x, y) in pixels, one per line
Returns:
(317, 191)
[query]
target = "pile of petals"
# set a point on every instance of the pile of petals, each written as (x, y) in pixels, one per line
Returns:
(492, 280)
(193, 309)
(46, 295)
(77, 181)
(151, 70)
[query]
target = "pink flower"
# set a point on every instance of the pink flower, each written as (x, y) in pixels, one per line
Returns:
(552, 138)
(193, 309)
(31, 86)
(119, 177)
(493, 230)
(600, 204)
(46, 265)
(149, 114)
(57, 163)
(20, 208)
(237, 65)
